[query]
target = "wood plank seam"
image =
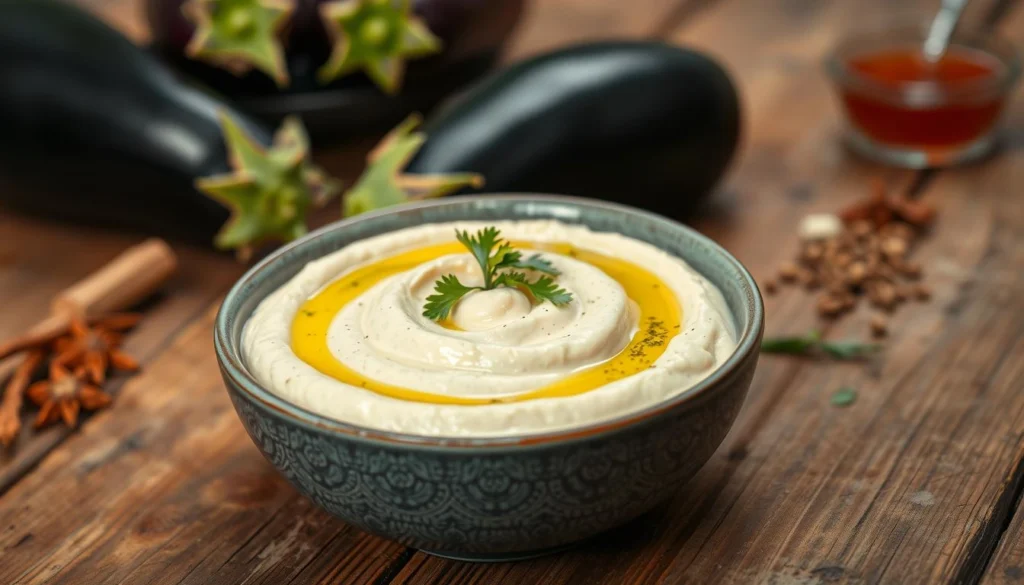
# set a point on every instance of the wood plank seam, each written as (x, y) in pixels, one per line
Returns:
(981, 549)
(985, 542)
(313, 558)
(395, 566)
(142, 511)
(8, 480)
(254, 534)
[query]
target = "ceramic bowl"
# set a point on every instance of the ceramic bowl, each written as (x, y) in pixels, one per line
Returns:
(495, 498)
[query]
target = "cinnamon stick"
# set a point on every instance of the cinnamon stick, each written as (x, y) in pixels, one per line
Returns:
(10, 407)
(121, 283)
(36, 338)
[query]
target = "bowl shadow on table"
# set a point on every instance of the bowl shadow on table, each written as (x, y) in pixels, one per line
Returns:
(665, 527)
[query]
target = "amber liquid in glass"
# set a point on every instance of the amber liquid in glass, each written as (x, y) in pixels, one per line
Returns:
(945, 124)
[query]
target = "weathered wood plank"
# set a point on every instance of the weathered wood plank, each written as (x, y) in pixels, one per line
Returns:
(896, 488)
(780, 177)
(61, 254)
(549, 24)
(801, 492)
(167, 488)
(1004, 538)
(903, 487)
(1006, 564)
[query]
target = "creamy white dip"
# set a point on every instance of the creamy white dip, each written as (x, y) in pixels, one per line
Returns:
(507, 344)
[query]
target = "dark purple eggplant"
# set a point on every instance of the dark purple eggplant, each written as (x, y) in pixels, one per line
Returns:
(643, 123)
(92, 128)
(465, 29)
(472, 33)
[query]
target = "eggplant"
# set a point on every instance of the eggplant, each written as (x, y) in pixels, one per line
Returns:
(472, 33)
(643, 123)
(94, 129)
(306, 36)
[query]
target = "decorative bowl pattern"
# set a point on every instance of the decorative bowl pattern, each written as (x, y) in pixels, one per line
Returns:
(495, 498)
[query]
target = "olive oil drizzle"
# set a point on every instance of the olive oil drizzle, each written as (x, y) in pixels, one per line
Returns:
(660, 319)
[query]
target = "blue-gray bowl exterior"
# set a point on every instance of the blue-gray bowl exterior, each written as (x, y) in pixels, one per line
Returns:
(495, 498)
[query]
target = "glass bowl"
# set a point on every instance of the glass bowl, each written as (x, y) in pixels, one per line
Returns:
(903, 111)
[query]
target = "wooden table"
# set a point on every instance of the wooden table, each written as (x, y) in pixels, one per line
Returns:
(919, 481)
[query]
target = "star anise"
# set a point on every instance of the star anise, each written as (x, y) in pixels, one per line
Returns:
(95, 348)
(64, 395)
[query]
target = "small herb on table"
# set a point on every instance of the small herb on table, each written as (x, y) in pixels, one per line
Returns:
(844, 397)
(498, 262)
(812, 344)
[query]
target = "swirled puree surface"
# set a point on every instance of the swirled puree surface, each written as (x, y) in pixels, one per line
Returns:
(346, 337)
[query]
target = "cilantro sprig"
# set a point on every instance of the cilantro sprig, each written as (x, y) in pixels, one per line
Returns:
(501, 266)
(812, 344)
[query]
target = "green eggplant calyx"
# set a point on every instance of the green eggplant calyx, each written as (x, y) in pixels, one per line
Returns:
(270, 190)
(383, 183)
(374, 31)
(239, 35)
(376, 36)
(239, 22)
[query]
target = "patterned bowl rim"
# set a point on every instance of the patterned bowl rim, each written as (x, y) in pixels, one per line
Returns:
(233, 368)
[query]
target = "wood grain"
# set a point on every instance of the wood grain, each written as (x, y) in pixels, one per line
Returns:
(1004, 539)
(802, 492)
(919, 481)
(549, 24)
(167, 488)
(56, 259)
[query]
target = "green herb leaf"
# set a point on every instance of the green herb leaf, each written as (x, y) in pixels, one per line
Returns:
(505, 257)
(812, 344)
(790, 345)
(848, 350)
(844, 397)
(536, 263)
(449, 290)
(544, 289)
(480, 245)
(494, 255)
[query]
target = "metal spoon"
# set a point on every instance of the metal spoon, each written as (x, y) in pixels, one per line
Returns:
(942, 28)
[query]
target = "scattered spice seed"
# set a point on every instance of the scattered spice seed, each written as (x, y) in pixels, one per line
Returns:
(867, 257)
(844, 397)
(830, 306)
(879, 326)
(770, 287)
(788, 272)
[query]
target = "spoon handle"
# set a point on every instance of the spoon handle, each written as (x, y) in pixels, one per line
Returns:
(942, 28)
